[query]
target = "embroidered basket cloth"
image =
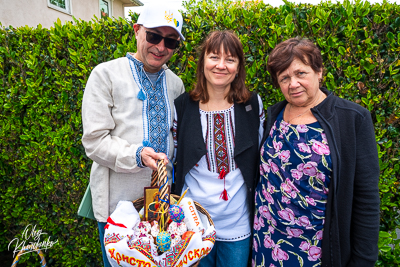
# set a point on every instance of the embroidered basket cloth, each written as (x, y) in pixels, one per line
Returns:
(124, 248)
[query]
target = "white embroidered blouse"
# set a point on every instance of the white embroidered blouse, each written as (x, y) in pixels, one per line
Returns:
(231, 217)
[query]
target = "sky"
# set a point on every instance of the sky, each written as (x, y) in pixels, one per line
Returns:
(178, 3)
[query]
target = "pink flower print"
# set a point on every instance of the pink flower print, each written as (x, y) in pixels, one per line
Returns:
(286, 188)
(255, 244)
(272, 265)
(268, 242)
(318, 235)
(284, 127)
(285, 199)
(271, 188)
(289, 188)
(284, 155)
(320, 148)
(304, 246)
(287, 214)
(321, 176)
(304, 148)
(304, 221)
(274, 167)
(253, 262)
(278, 254)
(264, 168)
(300, 167)
(326, 190)
(324, 140)
(310, 168)
(258, 223)
(296, 174)
(268, 196)
(271, 229)
(314, 253)
(310, 201)
(293, 232)
(263, 210)
(290, 183)
(277, 145)
(301, 128)
(273, 222)
(271, 132)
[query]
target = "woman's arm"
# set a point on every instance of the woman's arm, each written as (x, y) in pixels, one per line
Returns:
(365, 217)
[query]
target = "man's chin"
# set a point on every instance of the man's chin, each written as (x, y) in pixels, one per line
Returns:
(157, 63)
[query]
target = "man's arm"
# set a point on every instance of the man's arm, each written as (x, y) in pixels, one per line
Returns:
(98, 122)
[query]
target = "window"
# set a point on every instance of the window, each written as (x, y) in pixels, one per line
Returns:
(105, 8)
(60, 5)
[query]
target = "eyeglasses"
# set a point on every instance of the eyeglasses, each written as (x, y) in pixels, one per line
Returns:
(155, 38)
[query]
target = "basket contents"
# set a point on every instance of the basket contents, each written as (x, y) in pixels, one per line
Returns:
(170, 235)
(131, 242)
(192, 218)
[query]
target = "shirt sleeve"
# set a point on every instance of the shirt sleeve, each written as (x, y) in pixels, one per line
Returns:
(262, 119)
(98, 122)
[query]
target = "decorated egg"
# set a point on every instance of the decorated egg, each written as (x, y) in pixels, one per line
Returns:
(164, 241)
(176, 213)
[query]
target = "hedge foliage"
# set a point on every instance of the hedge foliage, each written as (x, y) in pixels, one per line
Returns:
(43, 167)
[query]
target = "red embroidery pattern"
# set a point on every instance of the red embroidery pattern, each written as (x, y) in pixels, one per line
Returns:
(178, 250)
(221, 152)
(114, 238)
(142, 247)
(210, 237)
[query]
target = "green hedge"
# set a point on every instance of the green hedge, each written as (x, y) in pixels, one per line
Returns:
(43, 168)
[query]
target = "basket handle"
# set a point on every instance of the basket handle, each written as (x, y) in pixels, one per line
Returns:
(159, 178)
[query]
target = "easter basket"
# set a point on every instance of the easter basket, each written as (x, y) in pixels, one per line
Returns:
(131, 242)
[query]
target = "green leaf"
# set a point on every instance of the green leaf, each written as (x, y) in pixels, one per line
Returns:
(288, 19)
(342, 51)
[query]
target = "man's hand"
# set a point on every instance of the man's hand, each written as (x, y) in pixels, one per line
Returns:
(149, 158)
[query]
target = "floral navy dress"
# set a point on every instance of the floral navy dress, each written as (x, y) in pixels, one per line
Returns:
(291, 196)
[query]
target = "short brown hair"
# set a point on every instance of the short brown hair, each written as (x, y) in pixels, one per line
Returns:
(284, 53)
(232, 45)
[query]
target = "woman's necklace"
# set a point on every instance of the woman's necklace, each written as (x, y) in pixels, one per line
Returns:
(301, 114)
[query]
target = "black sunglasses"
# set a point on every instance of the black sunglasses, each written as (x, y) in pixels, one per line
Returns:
(155, 38)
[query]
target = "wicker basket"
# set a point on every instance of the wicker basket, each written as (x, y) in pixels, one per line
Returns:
(138, 204)
(158, 178)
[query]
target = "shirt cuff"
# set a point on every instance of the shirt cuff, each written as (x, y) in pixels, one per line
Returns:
(139, 162)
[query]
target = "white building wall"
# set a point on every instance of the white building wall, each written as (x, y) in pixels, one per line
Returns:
(33, 12)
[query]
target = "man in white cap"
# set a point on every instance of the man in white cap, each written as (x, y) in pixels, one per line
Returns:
(127, 114)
